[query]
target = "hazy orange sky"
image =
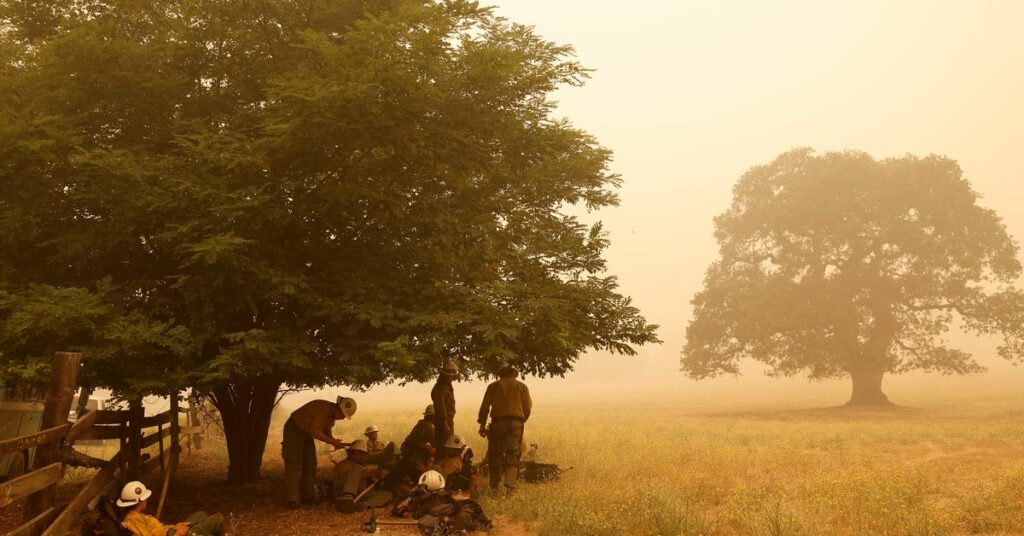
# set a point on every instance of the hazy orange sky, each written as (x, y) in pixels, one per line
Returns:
(690, 94)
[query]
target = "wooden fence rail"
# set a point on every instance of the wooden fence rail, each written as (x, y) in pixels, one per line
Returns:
(57, 443)
(43, 437)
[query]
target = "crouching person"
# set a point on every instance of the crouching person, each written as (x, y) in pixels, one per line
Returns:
(354, 479)
(438, 512)
(455, 463)
(134, 500)
(417, 456)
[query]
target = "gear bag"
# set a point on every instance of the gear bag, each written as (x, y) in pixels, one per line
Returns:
(537, 473)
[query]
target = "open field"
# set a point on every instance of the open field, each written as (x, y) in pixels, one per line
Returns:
(654, 471)
(671, 470)
(782, 472)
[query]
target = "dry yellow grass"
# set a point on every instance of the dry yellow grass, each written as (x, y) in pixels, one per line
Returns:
(667, 470)
(655, 472)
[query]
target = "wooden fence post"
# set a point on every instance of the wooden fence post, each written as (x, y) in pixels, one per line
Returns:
(175, 430)
(55, 412)
(193, 411)
(135, 415)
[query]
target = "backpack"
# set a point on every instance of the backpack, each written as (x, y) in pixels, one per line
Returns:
(538, 473)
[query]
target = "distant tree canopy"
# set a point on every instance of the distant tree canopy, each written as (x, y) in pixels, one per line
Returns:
(239, 196)
(840, 265)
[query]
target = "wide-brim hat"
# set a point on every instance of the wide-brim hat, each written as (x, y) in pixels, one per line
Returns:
(372, 429)
(450, 369)
(508, 368)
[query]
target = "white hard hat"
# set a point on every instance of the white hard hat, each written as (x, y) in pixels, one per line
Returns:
(133, 493)
(432, 480)
(347, 405)
(429, 412)
(360, 445)
(455, 442)
(371, 429)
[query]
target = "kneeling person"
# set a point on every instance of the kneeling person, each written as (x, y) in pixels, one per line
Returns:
(417, 456)
(455, 463)
(353, 476)
(135, 498)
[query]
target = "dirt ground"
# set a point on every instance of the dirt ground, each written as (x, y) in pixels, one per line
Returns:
(252, 509)
(256, 508)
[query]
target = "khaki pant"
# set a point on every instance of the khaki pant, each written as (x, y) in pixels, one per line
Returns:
(350, 484)
(202, 524)
(299, 452)
(504, 448)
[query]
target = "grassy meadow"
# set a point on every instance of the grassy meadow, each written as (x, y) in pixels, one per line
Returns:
(831, 471)
(750, 465)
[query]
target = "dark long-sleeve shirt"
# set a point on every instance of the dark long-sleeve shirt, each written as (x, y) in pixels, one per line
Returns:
(421, 436)
(443, 397)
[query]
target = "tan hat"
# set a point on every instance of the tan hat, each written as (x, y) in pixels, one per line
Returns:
(347, 405)
(359, 445)
(429, 412)
(372, 429)
(450, 369)
(508, 367)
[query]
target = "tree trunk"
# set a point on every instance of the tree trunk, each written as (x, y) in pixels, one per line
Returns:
(245, 408)
(867, 389)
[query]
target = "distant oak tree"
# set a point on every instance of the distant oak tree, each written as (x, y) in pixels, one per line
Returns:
(243, 197)
(839, 265)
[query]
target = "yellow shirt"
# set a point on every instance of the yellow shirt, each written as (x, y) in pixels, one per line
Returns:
(375, 446)
(140, 524)
(316, 418)
(448, 466)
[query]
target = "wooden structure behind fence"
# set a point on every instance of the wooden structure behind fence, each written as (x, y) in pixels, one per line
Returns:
(55, 451)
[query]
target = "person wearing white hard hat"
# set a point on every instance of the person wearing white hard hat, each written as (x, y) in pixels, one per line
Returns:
(312, 422)
(441, 512)
(443, 397)
(455, 462)
(373, 442)
(135, 498)
(355, 475)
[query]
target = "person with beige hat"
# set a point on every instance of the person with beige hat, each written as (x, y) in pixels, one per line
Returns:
(443, 397)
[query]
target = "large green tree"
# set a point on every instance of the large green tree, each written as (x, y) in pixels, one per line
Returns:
(839, 265)
(296, 192)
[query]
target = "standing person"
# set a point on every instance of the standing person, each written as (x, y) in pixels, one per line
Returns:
(313, 421)
(508, 403)
(443, 397)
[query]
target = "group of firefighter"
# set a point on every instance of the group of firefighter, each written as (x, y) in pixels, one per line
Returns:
(431, 476)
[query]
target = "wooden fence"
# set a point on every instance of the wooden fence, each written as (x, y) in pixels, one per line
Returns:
(55, 451)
